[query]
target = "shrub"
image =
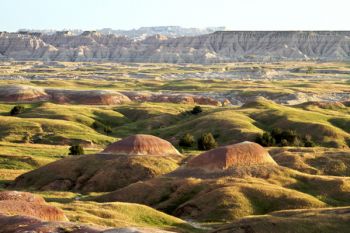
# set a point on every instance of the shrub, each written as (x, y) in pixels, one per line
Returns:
(288, 137)
(187, 140)
(206, 142)
(16, 110)
(265, 139)
(107, 129)
(76, 150)
(307, 141)
(196, 110)
(336, 168)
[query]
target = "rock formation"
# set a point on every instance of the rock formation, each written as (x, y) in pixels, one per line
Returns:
(22, 93)
(132, 159)
(221, 46)
(29, 94)
(172, 98)
(141, 144)
(27, 204)
(241, 154)
(90, 97)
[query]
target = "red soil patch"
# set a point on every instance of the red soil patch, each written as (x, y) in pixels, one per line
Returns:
(22, 93)
(93, 97)
(10, 224)
(27, 204)
(21, 196)
(141, 144)
(241, 154)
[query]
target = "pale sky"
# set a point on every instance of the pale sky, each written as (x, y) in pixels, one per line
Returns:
(128, 14)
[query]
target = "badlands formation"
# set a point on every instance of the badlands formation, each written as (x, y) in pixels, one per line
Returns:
(135, 158)
(240, 180)
(26, 212)
(221, 46)
(31, 94)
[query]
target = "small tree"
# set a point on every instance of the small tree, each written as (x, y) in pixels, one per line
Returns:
(196, 110)
(206, 142)
(16, 110)
(265, 139)
(107, 130)
(187, 140)
(308, 142)
(76, 150)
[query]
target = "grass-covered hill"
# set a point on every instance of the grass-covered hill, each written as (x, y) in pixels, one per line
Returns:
(43, 132)
(243, 191)
(326, 220)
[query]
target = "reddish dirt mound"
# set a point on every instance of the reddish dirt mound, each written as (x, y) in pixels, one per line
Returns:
(142, 144)
(93, 97)
(21, 224)
(241, 154)
(11, 224)
(172, 98)
(21, 93)
(27, 204)
(40, 211)
(21, 196)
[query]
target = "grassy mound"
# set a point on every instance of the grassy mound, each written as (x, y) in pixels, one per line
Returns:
(119, 214)
(297, 221)
(98, 173)
(317, 160)
(244, 191)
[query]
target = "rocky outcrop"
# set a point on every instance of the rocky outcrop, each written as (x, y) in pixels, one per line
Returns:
(225, 46)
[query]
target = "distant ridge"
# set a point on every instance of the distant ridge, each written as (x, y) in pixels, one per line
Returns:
(220, 46)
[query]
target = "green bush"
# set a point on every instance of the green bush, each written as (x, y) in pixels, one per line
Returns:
(187, 140)
(76, 150)
(265, 139)
(278, 137)
(206, 142)
(17, 110)
(196, 110)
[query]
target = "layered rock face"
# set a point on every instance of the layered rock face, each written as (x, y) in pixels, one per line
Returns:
(227, 46)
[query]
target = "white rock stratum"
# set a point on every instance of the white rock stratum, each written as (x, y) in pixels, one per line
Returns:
(226, 46)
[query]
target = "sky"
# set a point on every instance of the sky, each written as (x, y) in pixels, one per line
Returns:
(129, 14)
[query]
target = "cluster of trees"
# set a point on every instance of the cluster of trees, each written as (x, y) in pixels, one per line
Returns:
(17, 110)
(205, 142)
(278, 137)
